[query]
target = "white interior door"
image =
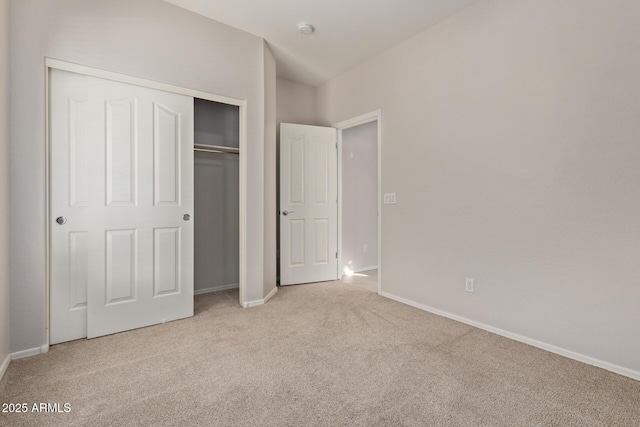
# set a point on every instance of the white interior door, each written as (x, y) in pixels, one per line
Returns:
(130, 181)
(308, 204)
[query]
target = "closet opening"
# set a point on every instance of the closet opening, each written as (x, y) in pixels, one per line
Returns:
(216, 197)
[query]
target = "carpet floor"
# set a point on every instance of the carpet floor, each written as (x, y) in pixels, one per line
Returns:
(326, 354)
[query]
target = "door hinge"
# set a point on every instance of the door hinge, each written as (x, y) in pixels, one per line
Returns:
(336, 255)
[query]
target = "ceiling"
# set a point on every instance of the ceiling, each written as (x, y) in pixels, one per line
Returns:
(347, 32)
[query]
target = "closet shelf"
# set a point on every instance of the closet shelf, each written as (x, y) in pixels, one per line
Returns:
(215, 149)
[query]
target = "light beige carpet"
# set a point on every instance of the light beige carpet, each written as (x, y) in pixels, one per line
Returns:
(328, 354)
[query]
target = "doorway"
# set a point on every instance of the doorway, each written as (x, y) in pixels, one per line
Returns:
(360, 201)
(216, 196)
(295, 176)
(359, 205)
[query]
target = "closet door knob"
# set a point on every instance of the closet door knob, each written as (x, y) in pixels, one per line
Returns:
(61, 220)
(285, 213)
(186, 217)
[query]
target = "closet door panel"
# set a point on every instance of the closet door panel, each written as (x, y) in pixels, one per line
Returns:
(77, 270)
(121, 143)
(166, 261)
(120, 266)
(141, 239)
(78, 146)
(69, 195)
(166, 147)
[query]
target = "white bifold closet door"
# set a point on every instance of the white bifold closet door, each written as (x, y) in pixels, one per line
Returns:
(121, 196)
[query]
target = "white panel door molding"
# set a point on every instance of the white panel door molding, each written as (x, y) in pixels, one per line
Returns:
(122, 185)
(308, 204)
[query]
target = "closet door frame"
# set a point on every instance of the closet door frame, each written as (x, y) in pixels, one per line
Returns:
(51, 63)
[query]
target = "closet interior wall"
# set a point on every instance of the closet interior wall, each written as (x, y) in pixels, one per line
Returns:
(216, 192)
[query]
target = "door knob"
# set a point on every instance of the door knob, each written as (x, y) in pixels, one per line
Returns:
(285, 213)
(186, 217)
(61, 220)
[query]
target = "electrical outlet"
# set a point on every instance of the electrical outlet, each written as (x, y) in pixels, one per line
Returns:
(469, 285)
(366, 248)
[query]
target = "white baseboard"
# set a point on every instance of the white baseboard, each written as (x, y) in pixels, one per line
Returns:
(360, 270)
(4, 365)
(548, 347)
(30, 352)
(216, 288)
(357, 270)
(261, 301)
(270, 294)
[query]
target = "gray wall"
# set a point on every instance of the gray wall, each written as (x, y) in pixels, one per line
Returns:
(144, 38)
(216, 123)
(216, 220)
(4, 181)
(360, 197)
(296, 103)
(510, 135)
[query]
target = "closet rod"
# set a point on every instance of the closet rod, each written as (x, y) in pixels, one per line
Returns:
(215, 149)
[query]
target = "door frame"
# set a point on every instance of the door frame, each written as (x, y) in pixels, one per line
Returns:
(347, 124)
(51, 63)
